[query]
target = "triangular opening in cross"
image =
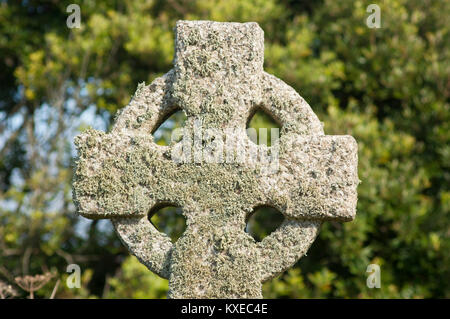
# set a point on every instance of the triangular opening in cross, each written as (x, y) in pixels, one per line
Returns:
(168, 219)
(262, 128)
(263, 221)
(164, 133)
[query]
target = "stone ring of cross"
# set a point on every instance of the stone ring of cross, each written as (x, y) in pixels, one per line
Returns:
(218, 81)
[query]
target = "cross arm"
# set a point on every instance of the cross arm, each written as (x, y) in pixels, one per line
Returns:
(109, 175)
(325, 178)
(320, 185)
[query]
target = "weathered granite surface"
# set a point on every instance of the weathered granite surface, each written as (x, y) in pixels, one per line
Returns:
(219, 81)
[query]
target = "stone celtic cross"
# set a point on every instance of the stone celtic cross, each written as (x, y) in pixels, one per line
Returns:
(218, 79)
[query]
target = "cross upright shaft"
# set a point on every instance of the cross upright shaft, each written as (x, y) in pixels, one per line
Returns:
(218, 80)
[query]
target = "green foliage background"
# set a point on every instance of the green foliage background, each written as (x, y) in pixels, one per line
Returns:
(387, 87)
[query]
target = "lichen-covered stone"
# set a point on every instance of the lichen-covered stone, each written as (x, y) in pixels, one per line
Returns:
(218, 81)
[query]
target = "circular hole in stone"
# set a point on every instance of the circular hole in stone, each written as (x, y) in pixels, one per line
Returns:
(262, 128)
(168, 219)
(162, 135)
(263, 221)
